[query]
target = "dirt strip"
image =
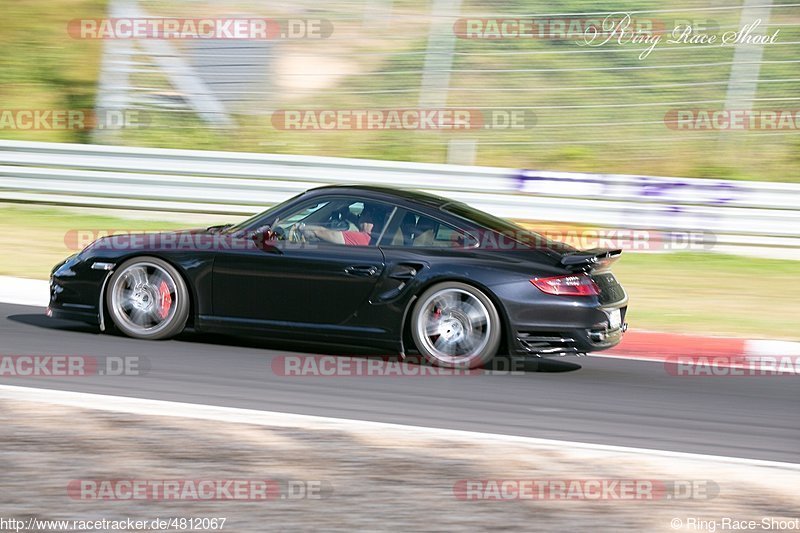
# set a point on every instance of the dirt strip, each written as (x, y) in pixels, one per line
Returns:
(388, 480)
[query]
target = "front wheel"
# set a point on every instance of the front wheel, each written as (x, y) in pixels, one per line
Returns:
(148, 299)
(455, 325)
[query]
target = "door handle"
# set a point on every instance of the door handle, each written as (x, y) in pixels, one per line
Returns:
(362, 270)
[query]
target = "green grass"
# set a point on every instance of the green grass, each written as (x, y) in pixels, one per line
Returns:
(41, 67)
(34, 239)
(712, 294)
(682, 292)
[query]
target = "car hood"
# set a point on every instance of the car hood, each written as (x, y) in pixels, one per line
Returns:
(192, 239)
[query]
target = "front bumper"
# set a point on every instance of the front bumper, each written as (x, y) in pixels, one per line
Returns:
(72, 314)
(75, 291)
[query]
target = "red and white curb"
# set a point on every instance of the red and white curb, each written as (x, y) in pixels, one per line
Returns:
(651, 344)
(723, 352)
(22, 291)
(758, 355)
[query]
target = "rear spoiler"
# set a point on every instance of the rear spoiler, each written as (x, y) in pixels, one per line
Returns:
(587, 260)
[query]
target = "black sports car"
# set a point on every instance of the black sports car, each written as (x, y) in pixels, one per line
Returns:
(355, 265)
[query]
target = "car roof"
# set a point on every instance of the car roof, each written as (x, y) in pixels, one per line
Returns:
(386, 192)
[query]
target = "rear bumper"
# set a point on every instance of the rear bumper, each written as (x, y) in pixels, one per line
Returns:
(576, 341)
(541, 324)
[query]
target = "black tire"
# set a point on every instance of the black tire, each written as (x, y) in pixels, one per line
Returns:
(460, 307)
(147, 301)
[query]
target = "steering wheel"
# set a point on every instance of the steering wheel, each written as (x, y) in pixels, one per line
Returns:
(339, 225)
(295, 234)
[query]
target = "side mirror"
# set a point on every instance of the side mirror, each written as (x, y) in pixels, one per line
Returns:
(265, 239)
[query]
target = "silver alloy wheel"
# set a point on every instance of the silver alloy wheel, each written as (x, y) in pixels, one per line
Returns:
(145, 298)
(453, 325)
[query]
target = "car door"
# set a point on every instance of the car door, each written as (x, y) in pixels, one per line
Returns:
(312, 283)
(407, 245)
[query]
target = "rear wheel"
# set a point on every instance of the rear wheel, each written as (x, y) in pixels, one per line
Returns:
(148, 299)
(455, 325)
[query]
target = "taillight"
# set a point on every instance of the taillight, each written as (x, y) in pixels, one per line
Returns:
(570, 285)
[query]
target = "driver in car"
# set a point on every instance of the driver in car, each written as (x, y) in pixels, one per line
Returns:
(350, 238)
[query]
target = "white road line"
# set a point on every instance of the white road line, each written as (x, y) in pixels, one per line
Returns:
(270, 418)
(653, 359)
(756, 365)
(22, 291)
(770, 348)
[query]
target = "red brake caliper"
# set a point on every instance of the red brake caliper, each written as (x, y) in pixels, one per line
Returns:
(166, 299)
(437, 314)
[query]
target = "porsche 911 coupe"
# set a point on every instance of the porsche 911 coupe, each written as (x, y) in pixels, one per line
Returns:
(369, 266)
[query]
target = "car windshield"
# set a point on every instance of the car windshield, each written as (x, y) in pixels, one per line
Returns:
(500, 225)
(261, 216)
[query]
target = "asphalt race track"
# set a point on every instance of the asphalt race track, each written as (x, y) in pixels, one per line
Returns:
(594, 400)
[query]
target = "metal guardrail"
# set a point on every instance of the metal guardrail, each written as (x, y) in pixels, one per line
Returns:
(735, 213)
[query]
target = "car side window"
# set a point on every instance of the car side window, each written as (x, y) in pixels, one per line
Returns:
(418, 230)
(304, 213)
(348, 221)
